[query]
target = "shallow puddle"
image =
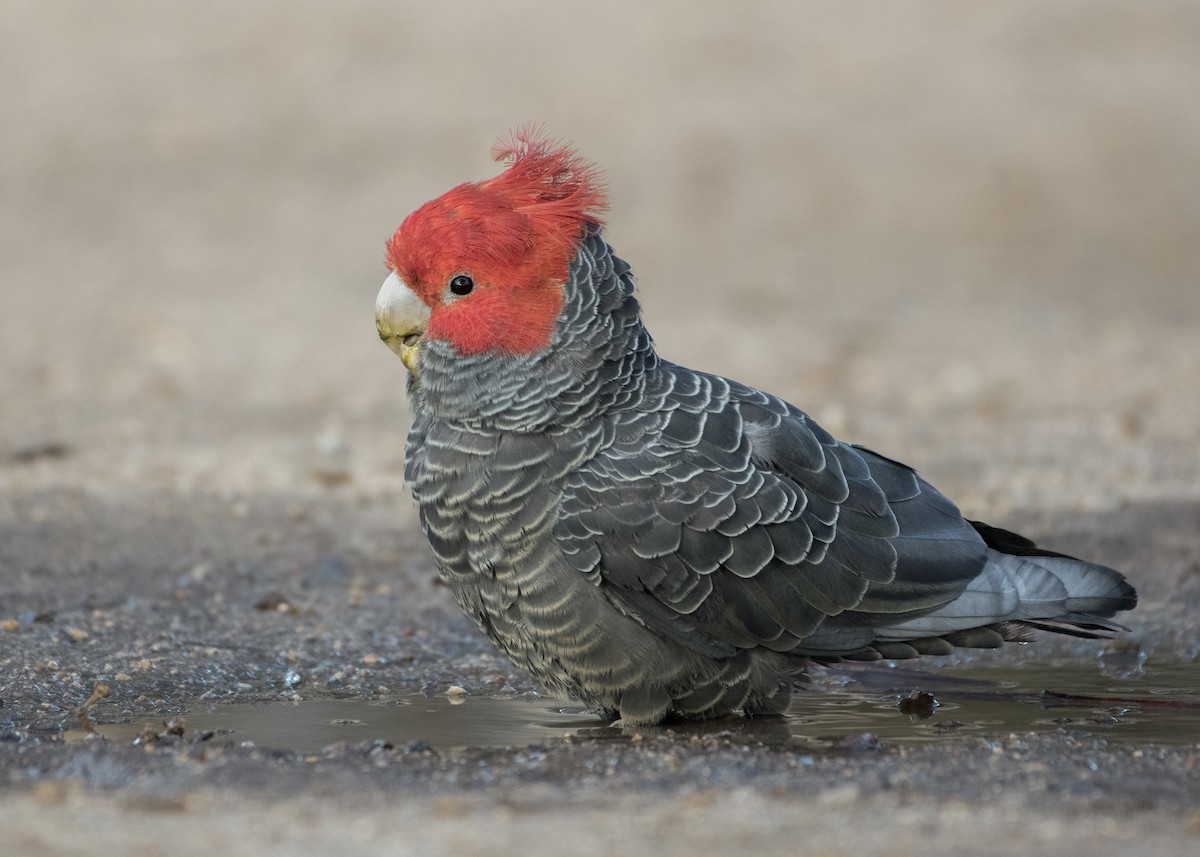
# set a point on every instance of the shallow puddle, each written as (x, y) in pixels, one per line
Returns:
(311, 724)
(1161, 704)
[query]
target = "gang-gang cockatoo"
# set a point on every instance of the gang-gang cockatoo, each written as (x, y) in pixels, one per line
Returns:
(653, 540)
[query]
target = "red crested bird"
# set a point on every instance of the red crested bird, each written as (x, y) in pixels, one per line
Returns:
(653, 540)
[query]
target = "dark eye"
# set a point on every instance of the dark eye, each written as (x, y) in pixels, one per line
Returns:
(461, 284)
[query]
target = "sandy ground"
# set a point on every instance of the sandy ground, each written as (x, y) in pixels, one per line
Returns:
(963, 235)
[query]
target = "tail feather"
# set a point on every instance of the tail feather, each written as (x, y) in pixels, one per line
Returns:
(1076, 625)
(1022, 585)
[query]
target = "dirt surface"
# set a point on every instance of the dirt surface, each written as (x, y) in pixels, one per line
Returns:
(965, 237)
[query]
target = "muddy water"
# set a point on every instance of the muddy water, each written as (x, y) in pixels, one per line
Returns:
(1159, 704)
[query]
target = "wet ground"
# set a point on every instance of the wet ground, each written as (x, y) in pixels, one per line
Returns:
(259, 683)
(962, 236)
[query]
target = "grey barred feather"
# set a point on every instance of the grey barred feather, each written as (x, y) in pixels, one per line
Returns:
(653, 539)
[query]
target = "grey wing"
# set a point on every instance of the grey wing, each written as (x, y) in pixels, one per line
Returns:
(728, 520)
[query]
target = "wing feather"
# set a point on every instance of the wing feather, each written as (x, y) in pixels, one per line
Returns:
(727, 520)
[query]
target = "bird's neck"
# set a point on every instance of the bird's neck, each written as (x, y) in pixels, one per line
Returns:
(600, 356)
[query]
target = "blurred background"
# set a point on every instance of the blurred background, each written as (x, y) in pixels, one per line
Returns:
(967, 235)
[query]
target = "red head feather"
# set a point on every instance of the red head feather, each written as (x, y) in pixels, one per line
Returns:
(515, 235)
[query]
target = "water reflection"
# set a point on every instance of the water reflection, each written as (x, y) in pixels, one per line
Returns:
(843, 709)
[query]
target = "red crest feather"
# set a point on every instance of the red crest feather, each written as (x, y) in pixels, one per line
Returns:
(548, 180)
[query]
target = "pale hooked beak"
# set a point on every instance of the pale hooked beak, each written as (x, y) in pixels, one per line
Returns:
(401, 317)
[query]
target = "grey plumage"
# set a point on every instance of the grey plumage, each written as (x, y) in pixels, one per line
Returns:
(652, 539)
